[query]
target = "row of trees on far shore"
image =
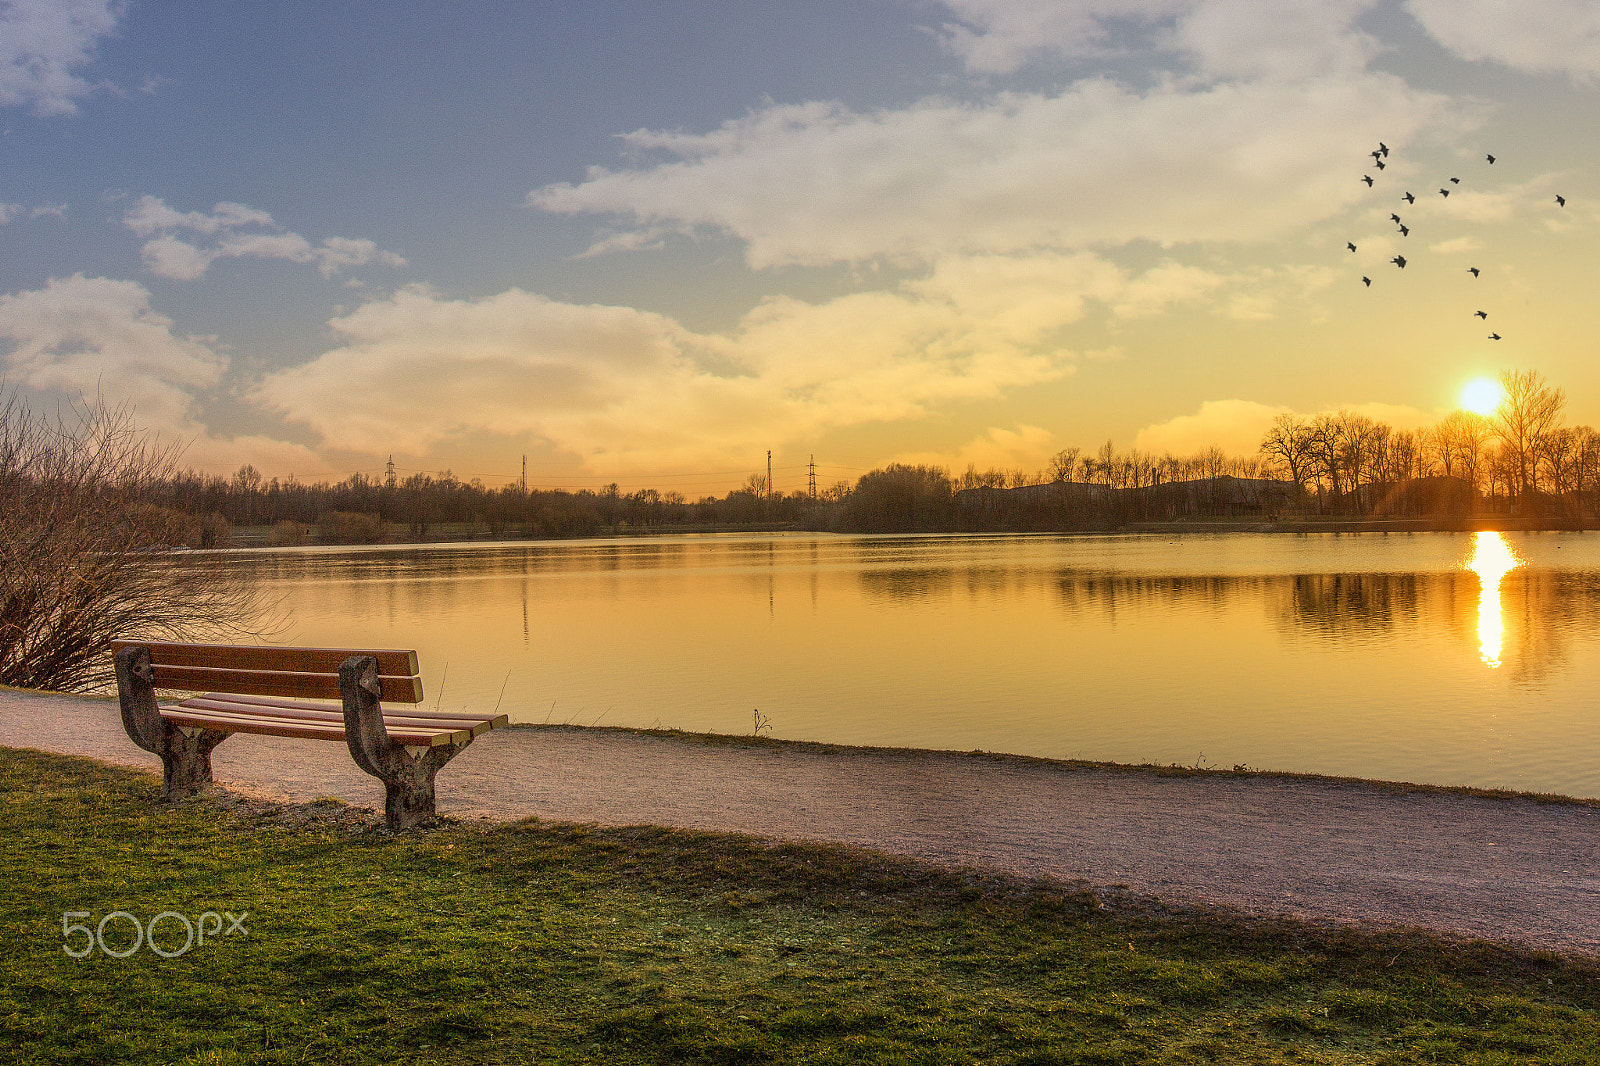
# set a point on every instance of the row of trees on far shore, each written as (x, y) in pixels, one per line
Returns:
(1520, 460)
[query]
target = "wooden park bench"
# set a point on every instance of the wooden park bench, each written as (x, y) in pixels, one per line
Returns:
(282, 692)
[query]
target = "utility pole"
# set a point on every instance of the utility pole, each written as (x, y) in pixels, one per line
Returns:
(524, 475)
(813, 478)
(769, 473)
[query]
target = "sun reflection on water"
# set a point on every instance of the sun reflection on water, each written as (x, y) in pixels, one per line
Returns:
(1491, 561)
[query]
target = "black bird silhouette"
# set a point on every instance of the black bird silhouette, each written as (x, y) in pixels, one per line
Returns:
(1455, 181)
(1481, 314)
(1399, 261)
(1394, 217)
(1444, 192)
(1367, 281)
(1408, 198)
(1384, 148)
(1473, 271)
(1561, 201)
(1405, 231)
(1375, 154)
(1350, 245)
(1491, 160)
(1368, 179)
(1380, 164)
(1494, 336)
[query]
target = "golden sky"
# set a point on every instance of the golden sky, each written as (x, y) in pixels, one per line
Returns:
(649, 249)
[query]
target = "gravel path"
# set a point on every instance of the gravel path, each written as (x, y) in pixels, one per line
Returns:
(1497, 868)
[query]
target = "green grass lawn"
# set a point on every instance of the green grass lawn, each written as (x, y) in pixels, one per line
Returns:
(554, 943)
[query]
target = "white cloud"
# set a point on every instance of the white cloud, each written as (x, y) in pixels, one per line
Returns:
(1000, 36)
(43, 44)
(1095, 165)
(629, 391)
(1235, 426)
(168, 257)
(11, 212)
(1021, 299)
(1215, 38)
(80, 335)
(1536, 36)
(237, 231)
(1167, 283)
(83, 337)
(151, 215)
(1024, 447)
(1287, 39)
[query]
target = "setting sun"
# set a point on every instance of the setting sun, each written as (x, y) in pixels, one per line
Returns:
(1481, 396)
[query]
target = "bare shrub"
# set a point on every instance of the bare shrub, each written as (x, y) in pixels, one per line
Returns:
(287, 534)
(85, 552)
(349, 527)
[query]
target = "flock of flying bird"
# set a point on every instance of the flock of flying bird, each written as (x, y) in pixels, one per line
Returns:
(1379, 154)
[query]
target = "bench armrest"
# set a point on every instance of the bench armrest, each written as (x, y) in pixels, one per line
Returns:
(364, 731)
(136, 694)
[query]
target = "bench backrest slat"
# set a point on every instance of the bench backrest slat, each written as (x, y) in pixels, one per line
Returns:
(277, 683)
(298, 673)
(265, 657)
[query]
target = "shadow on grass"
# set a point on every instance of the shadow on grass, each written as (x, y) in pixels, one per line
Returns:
(558, 942)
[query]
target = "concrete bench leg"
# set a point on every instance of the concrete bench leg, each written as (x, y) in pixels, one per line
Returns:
(407, 773)
(186, 764)
(408, 787)
(185, 753)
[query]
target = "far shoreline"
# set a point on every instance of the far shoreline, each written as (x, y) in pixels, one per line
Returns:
(258, 537)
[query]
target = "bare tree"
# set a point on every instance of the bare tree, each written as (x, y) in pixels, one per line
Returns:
(1588, 466)
(1105, 467)
(1529, 412)
(1365, 441)
(1325, 442)
(1063, 464)
(83, 556)
(1287, 446)
(1559, 454)
(1461, 438)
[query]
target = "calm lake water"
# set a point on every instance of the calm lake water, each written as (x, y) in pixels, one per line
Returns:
(1444, 658)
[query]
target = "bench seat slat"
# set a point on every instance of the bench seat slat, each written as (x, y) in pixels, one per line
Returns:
(276, 683)
(234, 704)
(272, 725)
(246, 700)
(268, 657)
(299, 727)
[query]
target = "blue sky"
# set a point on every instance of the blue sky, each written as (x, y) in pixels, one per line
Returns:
(647, 242)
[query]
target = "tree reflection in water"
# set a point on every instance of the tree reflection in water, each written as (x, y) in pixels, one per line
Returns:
(1512, 614)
